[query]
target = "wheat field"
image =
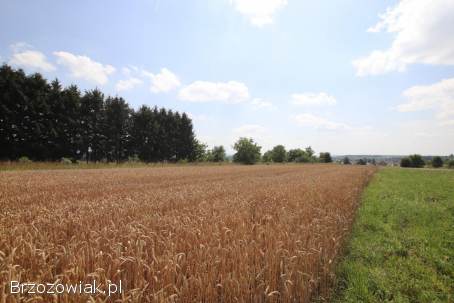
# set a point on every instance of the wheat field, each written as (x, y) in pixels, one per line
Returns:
(178, 234)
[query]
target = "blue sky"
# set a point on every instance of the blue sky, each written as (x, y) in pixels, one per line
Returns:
(345, 76)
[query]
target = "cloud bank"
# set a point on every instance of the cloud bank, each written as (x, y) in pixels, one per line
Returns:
(423, 34)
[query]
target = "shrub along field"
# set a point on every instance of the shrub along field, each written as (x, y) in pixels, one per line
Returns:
(402, 245)
(179, 234)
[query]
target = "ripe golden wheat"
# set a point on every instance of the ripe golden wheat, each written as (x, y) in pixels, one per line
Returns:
(178, 234)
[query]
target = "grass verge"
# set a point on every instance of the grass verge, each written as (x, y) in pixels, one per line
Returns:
(402, 244)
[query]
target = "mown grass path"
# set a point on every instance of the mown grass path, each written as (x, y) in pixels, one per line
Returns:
(402, 244)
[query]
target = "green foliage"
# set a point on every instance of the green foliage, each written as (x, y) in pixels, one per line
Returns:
(346, 161)
(301, 156)
(279, 154)
(451, 164)
(217, 154)
(437, 162)
(401, 248)
(24, 159)
(361, 162)
(417, 161)
(325, 158)
(294, 154)
(309, 152)
(405, 162)
(47, 122)
(247, 151)
(412, 161)
(304, 159)
(118, 128)
(267, 157)
(201, 152)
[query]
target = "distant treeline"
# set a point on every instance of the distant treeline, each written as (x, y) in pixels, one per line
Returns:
(417, 161)
(44, 121)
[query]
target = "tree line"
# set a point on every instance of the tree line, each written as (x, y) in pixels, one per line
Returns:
(46, 122)
(247, 151)
(417, 161)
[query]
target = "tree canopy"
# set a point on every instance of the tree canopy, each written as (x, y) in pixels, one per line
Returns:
(417, 161)
(346, 161)
(218, 154)
(44, 121)
(437, 162)
(412, 161)
(325, 158)
(247, 151)
(279, 154)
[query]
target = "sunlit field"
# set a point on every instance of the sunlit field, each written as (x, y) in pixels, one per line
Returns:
(179, 234)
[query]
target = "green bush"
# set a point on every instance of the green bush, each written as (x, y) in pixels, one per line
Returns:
(451, 164)
(437, 162)
(24, 159)
(218, 154)
(279, 154)
(267, 157)
(361, 162)
(303, 159)
(325, 158)
(294, 154)
(247, 151)
(405, 162)
(412, 161)
(417, 161)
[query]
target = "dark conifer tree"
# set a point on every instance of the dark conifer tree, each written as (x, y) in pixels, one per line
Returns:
(117, 128)
(92, 124)
(47, 122)
(69, 122)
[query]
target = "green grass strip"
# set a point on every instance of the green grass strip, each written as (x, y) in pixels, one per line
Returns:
(402, 244)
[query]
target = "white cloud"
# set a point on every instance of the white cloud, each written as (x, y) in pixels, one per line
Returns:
(259, 12)
(203, 91)
(199, 117)
(163, 82)
(85, 68)
(128, 84)
(379, 62)
(423, 34)
(438, 97)
(258, 103)
(249, 130)
(20, 47)
(318, 122)
(31, 59)
(127, 71)
(313, 99)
